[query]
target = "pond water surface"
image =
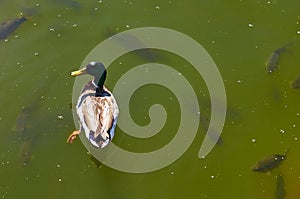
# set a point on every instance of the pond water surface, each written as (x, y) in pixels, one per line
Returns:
(263, 115)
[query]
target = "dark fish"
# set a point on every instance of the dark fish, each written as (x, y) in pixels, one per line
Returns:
(269, 163)
(10, 26)
(280, 187)
(129, 41)
(296, 83)
(277, 95)
(272, 63)
(26, 150)
(147, 54)
(21, 123)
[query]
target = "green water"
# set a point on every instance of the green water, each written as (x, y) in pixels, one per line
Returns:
(34, 72)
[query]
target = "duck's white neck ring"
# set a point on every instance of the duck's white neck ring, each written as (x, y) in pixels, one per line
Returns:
(95, 84)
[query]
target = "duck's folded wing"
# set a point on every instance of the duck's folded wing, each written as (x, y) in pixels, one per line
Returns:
(98, 116)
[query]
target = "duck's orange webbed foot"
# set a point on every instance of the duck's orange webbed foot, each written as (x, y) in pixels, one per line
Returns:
(72, 136)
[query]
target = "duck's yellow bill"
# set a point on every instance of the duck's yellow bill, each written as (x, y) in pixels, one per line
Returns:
(78, 72)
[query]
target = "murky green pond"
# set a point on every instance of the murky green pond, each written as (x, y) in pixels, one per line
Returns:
(263, 115)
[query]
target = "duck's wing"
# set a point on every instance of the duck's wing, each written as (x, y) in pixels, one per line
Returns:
(97, 116)
(105, 117)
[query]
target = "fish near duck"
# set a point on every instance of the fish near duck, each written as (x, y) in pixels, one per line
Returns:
(96, 107)
(269, 163)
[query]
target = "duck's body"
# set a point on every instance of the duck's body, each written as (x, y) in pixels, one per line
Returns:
(97, 110)
(97, 115)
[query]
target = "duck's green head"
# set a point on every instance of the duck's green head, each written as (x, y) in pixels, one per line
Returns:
(96, 69)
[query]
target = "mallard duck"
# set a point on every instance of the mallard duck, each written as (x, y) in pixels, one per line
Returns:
(96, 108)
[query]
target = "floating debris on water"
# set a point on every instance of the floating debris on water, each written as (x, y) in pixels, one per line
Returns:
(250, 25)
(272, 63)
(269, 163)
(60, 117)
(282, 131)
(280, 187)
(20, 65)
(296, 83)
(8, 27)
